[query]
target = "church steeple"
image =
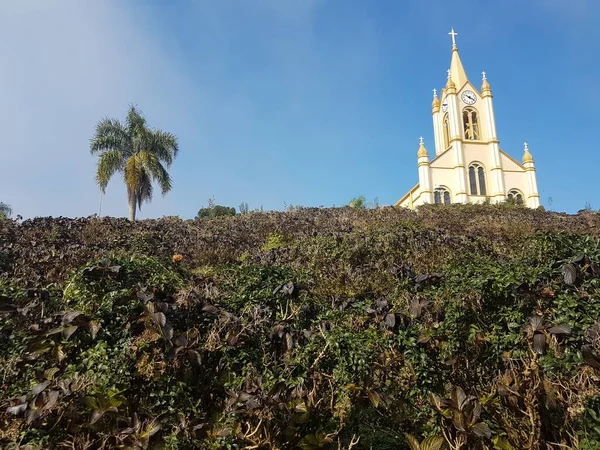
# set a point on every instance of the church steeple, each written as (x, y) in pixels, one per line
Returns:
(468, 165)
(457, 71)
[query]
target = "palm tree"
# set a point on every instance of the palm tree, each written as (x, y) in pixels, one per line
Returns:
(141, 154)
(5, 210)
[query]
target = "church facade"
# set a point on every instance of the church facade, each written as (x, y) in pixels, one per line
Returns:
(468, 165)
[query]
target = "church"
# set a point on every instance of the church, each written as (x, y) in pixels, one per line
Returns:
(468, 165)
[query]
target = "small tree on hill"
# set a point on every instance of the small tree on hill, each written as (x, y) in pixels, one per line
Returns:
(361, 203)
(5, 210)
(358, 202)
(214, 210)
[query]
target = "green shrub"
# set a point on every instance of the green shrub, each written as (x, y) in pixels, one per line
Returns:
(339, 329)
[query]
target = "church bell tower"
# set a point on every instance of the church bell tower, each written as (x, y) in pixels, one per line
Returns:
(468, 166)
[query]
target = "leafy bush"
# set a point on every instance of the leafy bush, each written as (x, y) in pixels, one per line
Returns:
(215, 211)
(467, 327)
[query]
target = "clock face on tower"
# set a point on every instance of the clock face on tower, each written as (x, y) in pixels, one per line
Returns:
(469, 97)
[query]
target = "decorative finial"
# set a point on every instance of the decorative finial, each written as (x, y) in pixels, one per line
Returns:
(435, 93)
(453, 34)
(484, 77)
(422, 153)
(527, 158)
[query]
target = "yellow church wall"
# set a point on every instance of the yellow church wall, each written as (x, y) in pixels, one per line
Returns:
(509, 163)
(443, 176)
(516, 180)
(477, 153)
(445, 159)
(408, 201)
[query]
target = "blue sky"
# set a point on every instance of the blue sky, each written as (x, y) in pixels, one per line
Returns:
(304, 102)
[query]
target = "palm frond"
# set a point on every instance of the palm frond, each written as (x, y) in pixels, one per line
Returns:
(164, 145)
(145, 189)
(135, 122)
(109, 163)
(156, 170)
(110, 135)
(132, 173)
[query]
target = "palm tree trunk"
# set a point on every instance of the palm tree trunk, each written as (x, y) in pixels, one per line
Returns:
(131, 210)
(132, 202)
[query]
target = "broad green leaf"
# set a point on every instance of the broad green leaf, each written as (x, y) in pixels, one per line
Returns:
(375, 398)
(570, 274)
(151, 429)
(436, 401)
(432, 443)
(412, 442)
(482, 430)
(38, 388)
(49, 373)
(501, 443)
(539, 343)
(560, 329)
(159, 318)
(51, 398)
(590, 357)
(17, 410)
(91, 402)
(96, 415)
(67, 332)
(458, 397)
(458, 420)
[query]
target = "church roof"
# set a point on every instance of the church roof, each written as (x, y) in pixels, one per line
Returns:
(408, 194)
(457, 71)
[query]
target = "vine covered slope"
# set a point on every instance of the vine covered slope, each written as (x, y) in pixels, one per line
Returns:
(463, 327)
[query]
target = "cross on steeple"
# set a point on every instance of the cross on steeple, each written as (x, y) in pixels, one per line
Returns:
(421, 140)
(525, 145)
(453, 34)
(484, 75)
(435, 93)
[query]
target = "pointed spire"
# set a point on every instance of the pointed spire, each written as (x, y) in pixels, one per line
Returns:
(422, 150)
(450, 84)
(457, 70)
(435, 104)
(527, 158)
(485, 85)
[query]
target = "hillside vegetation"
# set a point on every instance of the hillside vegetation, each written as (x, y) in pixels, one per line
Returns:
(463, 327)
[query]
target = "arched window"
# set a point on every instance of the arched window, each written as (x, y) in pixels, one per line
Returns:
(515, 195)
(477, 179)
(446, 126)
(471, 123)
(441, 196)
